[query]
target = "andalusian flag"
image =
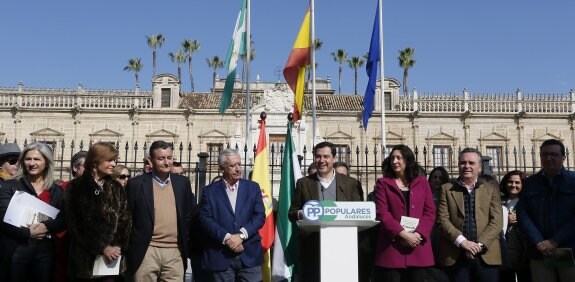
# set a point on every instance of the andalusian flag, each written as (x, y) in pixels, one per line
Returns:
(299, 59)
(285, 246)
(262, 177)
(237, 48)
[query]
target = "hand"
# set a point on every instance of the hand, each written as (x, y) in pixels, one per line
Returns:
(111, 253)
(410, 240)
(471, 247)
(546, 247)
(469, 255)
(238, 249)
(234, 241)
(512, 218)
(38, 231)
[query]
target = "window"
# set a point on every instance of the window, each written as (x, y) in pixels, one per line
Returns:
(496, 154)
(441, 156)
(277, 141)
(166, 96)
(214, 150)
(343, 153)
(387, 100)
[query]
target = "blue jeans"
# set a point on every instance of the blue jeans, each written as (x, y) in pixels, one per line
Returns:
(466, 270)
(237, 272)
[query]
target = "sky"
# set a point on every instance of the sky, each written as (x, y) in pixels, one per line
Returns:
(488, 46)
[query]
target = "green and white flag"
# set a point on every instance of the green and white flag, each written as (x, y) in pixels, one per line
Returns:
(285, 246)
(237, 48)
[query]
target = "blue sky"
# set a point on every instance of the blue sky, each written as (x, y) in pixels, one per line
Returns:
(489, 46)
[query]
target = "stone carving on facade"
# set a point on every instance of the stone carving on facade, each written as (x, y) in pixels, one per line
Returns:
(278, 101)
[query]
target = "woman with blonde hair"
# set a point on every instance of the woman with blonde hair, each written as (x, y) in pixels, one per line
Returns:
(28, 252)
(122, 174)
(98, 217)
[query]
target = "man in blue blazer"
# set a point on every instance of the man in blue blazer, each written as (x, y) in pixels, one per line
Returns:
(161, 204)
(231, 213)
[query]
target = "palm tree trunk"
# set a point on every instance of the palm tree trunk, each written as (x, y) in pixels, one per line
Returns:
(137, 80)
(355, 81)
(191, 76)
(339, 84)
(154, 63)
(214, 82)
(180, 74)
(405, 82)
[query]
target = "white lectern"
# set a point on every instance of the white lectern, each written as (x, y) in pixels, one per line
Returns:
(338, 241)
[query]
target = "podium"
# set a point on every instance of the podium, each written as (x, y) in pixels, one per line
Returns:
(338, 237)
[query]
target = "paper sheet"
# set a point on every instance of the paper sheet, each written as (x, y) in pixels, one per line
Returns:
(101, 268)
(26, 209)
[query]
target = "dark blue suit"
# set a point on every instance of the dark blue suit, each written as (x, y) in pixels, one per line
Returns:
(218, 218)
(141, 203)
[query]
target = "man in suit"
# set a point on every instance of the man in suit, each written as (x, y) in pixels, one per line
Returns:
(470, 219)
(161, 204)
(325, 184)
(546, 213)
(231, 214)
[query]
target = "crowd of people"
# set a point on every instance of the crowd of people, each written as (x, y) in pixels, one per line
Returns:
(468, 226)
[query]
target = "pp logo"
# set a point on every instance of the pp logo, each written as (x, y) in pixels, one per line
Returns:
(312, 210)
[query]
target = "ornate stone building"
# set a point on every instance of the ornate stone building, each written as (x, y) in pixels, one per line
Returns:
(507, 127)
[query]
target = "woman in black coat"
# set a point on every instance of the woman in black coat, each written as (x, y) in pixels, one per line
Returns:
(98, 218)
(29, 251)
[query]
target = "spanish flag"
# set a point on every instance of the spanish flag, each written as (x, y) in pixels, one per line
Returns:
(299, 59)
(262, 177)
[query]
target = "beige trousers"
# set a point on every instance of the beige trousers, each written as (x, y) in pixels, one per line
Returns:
(161, 264)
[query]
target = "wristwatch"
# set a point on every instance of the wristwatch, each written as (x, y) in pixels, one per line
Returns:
(242, 236)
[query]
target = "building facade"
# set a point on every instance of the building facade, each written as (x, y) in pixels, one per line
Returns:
(507, 127)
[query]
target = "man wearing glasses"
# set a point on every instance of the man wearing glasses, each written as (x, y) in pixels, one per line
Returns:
(9, 153)
(546, 214)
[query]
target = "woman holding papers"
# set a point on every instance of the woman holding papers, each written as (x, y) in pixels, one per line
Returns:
(98, 218)
(28, 250)
(405, 209)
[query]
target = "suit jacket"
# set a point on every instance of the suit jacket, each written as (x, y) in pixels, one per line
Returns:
(391, 206)
(488, 218)
(141, 204)
(217, 218)
(546, 211)
(307, 189)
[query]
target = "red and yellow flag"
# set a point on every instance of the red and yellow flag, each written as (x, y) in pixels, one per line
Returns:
(299, 59)
(261, 175)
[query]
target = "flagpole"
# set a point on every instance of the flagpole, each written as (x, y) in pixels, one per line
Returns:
(312, 46)
(247, 62)
(382, 82)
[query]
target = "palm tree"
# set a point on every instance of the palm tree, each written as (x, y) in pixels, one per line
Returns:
(191, 47)
(406, 62)
(136, 66)
(339, 56)
(215, 63)
(179, 58)
(155, 41)
(317, 44)
(252, 57)
(355, 63)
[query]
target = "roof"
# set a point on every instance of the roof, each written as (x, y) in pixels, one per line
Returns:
(324, 102)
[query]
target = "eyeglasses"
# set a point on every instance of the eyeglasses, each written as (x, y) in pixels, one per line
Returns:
(12, 161)
(123, 176)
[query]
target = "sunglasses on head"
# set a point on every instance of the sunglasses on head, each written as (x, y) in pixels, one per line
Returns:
(123, 176)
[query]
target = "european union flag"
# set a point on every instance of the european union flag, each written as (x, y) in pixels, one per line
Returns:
(371, 68)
